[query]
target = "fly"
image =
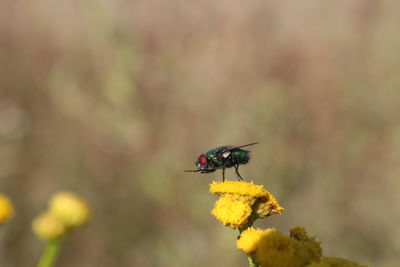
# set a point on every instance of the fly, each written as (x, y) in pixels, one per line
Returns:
(221, 158)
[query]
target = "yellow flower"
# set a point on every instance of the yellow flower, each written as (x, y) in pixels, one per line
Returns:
(69, 208)
(314, 247)
(250, 238)
(231, 212)
(334, 262)
(6, 208)
(48, 227)
(239, 199)
(238, 188)
(277, 250)
(248, 198)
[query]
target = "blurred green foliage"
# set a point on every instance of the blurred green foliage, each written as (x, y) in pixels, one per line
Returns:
(113, 99)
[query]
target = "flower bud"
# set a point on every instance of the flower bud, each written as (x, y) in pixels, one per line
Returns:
(69, 208)
(48, 227)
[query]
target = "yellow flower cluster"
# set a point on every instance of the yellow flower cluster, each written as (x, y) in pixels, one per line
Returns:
(6, 209)
(270, 248)
(66, 211)
(241, 203)
(239, 200)
(273, 249)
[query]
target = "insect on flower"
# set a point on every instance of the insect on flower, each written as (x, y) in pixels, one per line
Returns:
(221, 158)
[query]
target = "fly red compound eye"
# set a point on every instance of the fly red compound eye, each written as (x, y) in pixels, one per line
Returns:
(202, 160)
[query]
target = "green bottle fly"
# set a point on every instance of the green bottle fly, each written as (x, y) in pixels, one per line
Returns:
(221, 158)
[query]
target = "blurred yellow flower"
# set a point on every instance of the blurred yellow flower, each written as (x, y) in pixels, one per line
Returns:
(277, 250)
(238, 188)
(250, 238)
(47, 226)
(69, 208)
(334, 262)
(313, 246)
(231, 212)
(6, 208)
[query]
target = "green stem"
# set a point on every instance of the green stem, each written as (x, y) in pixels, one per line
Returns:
(251, 262)
(50, 253)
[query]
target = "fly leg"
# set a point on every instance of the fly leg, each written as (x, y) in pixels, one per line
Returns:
(223, 174)
(240, 178)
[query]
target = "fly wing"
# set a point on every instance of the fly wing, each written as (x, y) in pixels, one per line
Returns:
(229, 148)
(251, 144)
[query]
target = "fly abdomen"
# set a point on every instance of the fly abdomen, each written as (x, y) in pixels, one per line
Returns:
(240, 156)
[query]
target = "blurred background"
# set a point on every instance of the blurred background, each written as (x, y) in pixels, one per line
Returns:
(113, 99)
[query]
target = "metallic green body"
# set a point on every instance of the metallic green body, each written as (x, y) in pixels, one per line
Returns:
(216, 160)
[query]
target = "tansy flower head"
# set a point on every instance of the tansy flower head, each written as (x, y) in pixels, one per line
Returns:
(239, 200)
(334, 262)
(250, 238)
(231, 212)
(48, 227)
(6, 208)
(69, 208)
(277, 250)
(313, 246)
